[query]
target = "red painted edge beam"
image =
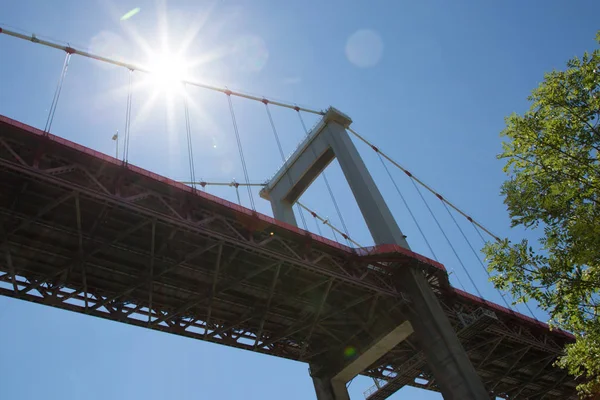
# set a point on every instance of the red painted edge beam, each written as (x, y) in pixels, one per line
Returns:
(27, 129)
(366, 251)
(508, 312)
(383, 249)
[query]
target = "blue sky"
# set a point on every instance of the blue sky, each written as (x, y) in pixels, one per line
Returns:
(429, 82)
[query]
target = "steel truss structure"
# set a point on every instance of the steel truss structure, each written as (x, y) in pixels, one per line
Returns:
(82, 231)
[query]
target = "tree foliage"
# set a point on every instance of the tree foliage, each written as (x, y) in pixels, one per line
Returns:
(552, 159)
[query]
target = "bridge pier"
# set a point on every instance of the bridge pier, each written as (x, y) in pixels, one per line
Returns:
(330, 386)
(445, 355)
(327, 388)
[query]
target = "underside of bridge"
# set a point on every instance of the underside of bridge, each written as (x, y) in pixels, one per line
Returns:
(83, 232)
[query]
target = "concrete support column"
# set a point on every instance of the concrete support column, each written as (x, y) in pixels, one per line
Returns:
(373, 207)
(327, 388)
(451, 367)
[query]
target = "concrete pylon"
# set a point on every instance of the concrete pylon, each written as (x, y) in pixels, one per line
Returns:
(446, 357)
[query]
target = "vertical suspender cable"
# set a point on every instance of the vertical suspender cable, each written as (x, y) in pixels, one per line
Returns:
(302, 122)
(285, 165)
(127, 120)
(188, 130)
(318, 225)
(59, 85)
(241, 151)
(407, 207)
(484, 242)
(447, 239)
(237, 192)
(458, 280)
(334, 235)
(362, 139)
(474, 252)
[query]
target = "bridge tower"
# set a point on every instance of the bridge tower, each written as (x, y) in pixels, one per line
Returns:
(445, 355)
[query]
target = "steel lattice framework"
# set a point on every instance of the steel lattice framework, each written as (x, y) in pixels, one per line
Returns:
(84, 232)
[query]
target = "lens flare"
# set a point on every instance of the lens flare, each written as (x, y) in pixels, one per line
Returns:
(350, 352)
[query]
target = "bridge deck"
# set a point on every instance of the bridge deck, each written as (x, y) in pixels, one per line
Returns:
(82, 232)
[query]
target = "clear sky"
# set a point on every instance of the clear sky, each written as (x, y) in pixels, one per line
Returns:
(429, 82)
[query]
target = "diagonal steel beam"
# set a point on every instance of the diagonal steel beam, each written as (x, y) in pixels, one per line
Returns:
(542, 369)
(143, 282)
(94, 179)
(248, 315)
(151, 284)
(547, 391)
(301, 325)
(316, 318)
(53, 275)
(40, 214)
(514, 364)
(13, 273)
(80, 247)
(213, 288)
(203, 297)
(268, 307)
(12, 152)
(166, 204)
(212, 234)
(232, 228)
(490, 351)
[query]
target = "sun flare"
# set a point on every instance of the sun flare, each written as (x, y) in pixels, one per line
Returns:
(167, 71)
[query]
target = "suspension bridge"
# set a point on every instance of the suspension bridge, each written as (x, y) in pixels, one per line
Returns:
(95, 234)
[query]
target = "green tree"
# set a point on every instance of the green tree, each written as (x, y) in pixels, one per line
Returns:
(552, 159)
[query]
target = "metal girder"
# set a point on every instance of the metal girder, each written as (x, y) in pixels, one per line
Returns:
(12, 152)
(316, 318)
(94, 179)
(489, 353)
(214, 286)
(541, 370)
(86, 256)
(245, 244)
(169, 268)
(61, 170)
(301, 325)
(151, 283)
(268, 306)
(40, 214)
(203, 297)
(546, 391)
(80, 248)
(12, 272)
(202, 221)
(514, 364)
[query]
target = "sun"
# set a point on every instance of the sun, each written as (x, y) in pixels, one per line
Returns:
(167, 71)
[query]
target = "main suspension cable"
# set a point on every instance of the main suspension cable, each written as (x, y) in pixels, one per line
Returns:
(132, 66)
(407, 207)
(283, 159)
(241, 151)
(397, 165)
(59, 85)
